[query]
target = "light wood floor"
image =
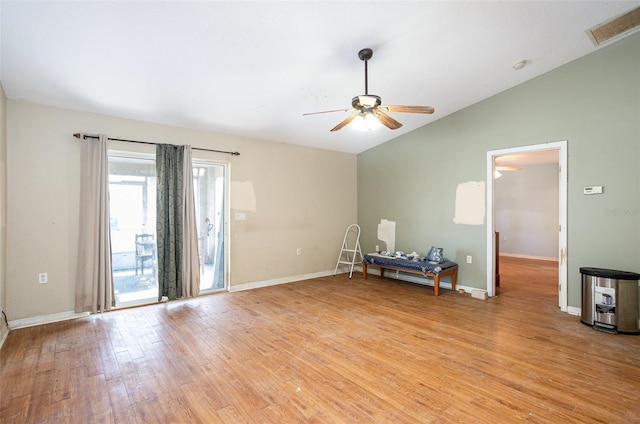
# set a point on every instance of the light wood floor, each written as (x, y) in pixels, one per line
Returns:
(329, 350)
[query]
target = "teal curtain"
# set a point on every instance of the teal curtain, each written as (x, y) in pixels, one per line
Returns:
(169, 212)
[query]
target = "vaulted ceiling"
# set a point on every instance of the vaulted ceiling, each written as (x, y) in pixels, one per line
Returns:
(253, 68)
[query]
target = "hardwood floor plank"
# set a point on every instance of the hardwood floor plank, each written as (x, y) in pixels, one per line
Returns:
(60, 412)
(119, 402)
(41, 394)
(47, 349)
(79, 400)
(245, 398)
(62, 376)
(204, 402)
(14, 410)
(130, 377)
(209, 389)
(20, 379)
(148, 411)
(107, 356)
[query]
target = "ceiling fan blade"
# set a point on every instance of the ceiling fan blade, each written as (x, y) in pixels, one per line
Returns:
(410, 109)
(388, 121)
(327, 111)
(343, 123)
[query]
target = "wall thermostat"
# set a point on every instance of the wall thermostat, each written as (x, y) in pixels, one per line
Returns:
(593, 190)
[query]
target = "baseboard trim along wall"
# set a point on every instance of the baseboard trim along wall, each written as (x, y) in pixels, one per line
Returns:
(572, 310)
(276, 281)
(45, 319)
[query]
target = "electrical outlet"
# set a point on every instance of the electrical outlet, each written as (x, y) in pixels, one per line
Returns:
(469, 259)
(43, 278)
(298, 251)
(377, 248)
(241, 216)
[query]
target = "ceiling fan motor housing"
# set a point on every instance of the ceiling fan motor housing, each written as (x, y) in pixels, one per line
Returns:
(366, 101)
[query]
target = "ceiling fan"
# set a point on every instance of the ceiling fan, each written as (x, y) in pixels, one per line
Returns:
(369, 106)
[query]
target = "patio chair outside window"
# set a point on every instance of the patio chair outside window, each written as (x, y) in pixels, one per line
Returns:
(145, 245)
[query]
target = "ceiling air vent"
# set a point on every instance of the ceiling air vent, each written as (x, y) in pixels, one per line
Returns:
(615, 27)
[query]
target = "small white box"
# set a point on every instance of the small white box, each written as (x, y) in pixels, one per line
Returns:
(592, 190)
(479, 294)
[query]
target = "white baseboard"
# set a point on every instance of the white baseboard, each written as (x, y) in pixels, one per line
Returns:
(539, 258)
(276, 281)
(426, 281)
(45, 319)
(4, 330)
(572, 310)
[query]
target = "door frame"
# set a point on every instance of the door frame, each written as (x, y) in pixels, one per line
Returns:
(561, 146)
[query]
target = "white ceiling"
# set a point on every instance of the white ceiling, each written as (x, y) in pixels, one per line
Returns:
(253, 68)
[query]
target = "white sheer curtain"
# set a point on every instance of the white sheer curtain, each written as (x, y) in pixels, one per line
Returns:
(190, 255)
(94, 281)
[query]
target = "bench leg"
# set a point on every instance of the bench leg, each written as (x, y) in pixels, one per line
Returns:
(454, 277)
(364, 270)
(436, 285)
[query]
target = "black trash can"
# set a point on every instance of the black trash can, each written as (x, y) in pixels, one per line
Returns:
(610, 300)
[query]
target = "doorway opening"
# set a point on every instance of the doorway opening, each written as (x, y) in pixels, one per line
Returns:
(493, 170)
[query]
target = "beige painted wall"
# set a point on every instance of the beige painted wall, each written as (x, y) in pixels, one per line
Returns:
(593, 103)
(304, 198)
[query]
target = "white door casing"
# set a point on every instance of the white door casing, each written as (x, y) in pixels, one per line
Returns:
(561, 146)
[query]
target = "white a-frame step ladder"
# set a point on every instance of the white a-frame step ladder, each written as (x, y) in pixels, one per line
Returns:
(348, 255)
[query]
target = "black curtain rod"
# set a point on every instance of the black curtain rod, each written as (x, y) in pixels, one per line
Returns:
(85, 136)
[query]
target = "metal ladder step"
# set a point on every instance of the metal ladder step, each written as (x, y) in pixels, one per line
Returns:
(354, 230)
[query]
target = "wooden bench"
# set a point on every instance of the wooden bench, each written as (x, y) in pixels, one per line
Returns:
(404, 265)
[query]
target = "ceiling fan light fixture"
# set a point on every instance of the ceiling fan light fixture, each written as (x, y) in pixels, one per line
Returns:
(366, 121)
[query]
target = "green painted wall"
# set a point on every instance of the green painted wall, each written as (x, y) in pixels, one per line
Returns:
(593, 103)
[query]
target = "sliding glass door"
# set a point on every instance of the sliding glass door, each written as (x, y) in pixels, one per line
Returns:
(132, 198)
(209, 186)
(132, 192)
